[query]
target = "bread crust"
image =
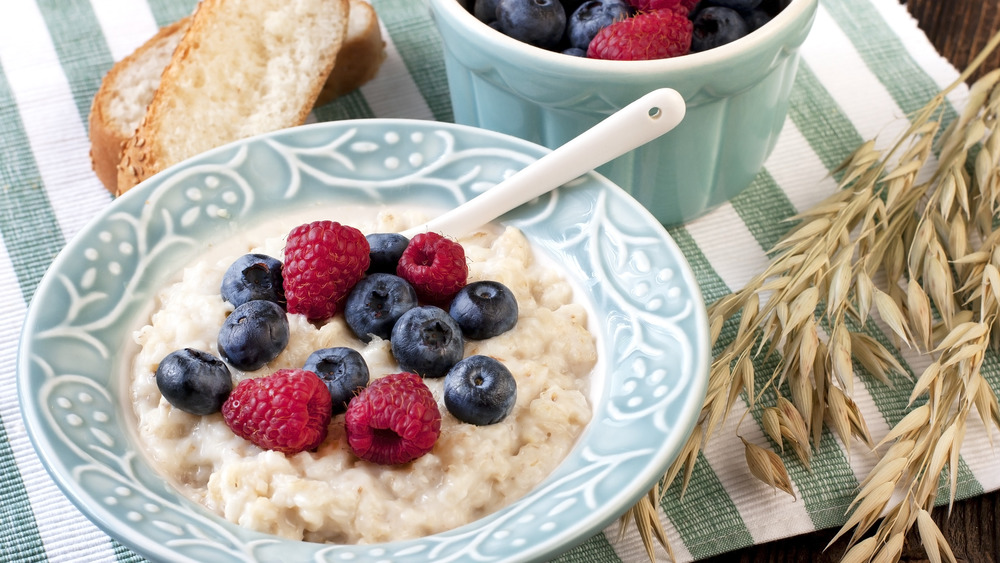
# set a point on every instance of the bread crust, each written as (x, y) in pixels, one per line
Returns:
(143, 153)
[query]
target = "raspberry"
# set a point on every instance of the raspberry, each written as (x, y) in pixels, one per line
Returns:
(394, 420)
(435, 267)
(287, 411)
(323, 261)
(647, 35)
(681, 6)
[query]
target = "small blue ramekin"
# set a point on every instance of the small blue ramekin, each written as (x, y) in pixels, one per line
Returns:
(736, 96)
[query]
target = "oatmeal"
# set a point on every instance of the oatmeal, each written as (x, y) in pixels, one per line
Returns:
(329, 495)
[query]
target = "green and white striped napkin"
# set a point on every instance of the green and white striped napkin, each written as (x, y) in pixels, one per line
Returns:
(864, 68)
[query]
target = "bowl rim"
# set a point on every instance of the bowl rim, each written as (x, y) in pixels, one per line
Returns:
(101, 515)
(759, 40)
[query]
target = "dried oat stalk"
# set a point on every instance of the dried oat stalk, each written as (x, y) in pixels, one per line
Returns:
(908, 247)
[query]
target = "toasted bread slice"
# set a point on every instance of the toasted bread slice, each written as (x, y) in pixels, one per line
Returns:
(360, 56)
(121, 100)
(128, 88)
(242, 68)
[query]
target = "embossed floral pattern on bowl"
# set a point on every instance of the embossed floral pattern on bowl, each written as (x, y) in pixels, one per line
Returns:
(649, 318)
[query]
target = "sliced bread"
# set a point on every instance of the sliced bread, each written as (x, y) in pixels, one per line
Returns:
(243, 67)
(128, 88)
(360, 56)
(121, 100)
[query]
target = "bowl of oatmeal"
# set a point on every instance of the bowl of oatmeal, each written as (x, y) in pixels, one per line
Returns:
(610, 353)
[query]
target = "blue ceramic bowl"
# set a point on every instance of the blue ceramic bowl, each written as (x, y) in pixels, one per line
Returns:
(647, 315)
(736, 95)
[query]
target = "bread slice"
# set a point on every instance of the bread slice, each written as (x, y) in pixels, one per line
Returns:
(360, 56)
(128, 88)
(121, 100)
(243, 67)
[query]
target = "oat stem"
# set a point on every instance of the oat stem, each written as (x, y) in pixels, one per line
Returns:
(917, 260)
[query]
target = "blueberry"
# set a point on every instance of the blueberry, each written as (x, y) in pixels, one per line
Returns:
(484, 309)
(756, 18)
(253, 334)
(385, 250)
(569, 6)
(485, 10)
(537, 22)
(194, 381)
(343, 370)
(714, 26)
(376, 303)
(743, 6)
(591, 17)
(480, 390)
(574, 52)
(427, 341)
(253, 276)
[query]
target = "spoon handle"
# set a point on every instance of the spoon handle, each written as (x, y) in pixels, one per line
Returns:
(628, 128)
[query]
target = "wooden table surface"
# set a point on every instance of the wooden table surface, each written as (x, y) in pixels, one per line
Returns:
(958, 29)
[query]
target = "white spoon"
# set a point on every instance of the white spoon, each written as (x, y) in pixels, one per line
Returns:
(628, 128)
